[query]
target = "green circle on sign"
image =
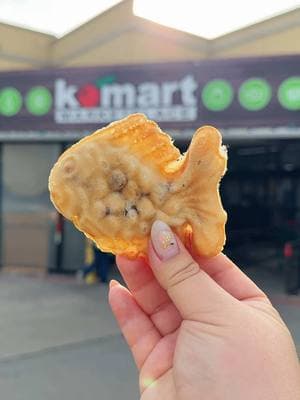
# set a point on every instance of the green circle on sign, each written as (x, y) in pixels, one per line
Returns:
(255, 94)
(10, 101)
(217, 95)
(39, 100)
(289, 93)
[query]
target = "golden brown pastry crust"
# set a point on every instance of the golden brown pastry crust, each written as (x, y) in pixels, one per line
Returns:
(114, 183)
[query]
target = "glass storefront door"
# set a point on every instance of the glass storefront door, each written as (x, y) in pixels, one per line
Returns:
(28, 216)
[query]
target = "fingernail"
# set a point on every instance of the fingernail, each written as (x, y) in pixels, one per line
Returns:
(163, 241)
(113, 283)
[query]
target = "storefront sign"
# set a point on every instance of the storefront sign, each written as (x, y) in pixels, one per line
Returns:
(250, 92)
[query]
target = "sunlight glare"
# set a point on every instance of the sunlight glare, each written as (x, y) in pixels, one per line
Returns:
(149, 382)
(213, 18)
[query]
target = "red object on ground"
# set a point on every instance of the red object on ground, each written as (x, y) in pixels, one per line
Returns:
(58, 229)
(288, 250)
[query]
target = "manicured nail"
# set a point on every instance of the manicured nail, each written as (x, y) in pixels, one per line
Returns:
(163, 241)
(113, 283)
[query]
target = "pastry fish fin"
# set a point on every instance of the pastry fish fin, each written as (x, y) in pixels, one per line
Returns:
(143, 139)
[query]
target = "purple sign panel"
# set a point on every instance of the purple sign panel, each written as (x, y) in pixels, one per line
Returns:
(245, 92)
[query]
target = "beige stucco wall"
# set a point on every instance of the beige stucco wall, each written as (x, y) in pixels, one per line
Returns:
(96, 32)
(11, 65)
(274, 36)
(135, 47)
(118, 37)
(286, 42)
(22, 48)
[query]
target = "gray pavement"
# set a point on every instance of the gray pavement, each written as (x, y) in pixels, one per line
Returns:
(94, 369)
(59, 340)
(39, 313)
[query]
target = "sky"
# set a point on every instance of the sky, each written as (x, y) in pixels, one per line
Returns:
(204, 18)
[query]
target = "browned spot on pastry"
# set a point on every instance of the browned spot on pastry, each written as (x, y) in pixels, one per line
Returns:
(117, 180)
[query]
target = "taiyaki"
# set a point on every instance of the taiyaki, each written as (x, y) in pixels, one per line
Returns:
(116, 182)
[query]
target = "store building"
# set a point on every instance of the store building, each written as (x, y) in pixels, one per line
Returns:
(54, 91)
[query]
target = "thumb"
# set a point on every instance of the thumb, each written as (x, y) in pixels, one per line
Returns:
(195, 294)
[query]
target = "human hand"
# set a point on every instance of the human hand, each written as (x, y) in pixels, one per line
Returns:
(201, 329)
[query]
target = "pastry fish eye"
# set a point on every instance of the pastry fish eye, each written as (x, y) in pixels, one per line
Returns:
(69, 167)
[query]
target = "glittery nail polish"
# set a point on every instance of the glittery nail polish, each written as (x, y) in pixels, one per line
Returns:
(164, 241)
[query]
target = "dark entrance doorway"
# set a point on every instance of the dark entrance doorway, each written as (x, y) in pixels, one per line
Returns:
(261, 193)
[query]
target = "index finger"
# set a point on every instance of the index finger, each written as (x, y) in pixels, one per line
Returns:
(150, 296)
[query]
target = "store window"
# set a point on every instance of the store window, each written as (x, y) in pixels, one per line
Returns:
(28, 215)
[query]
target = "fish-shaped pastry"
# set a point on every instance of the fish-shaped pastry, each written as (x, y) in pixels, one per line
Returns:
(116, 182)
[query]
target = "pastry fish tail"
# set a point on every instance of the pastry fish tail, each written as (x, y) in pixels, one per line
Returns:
(204, 165)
